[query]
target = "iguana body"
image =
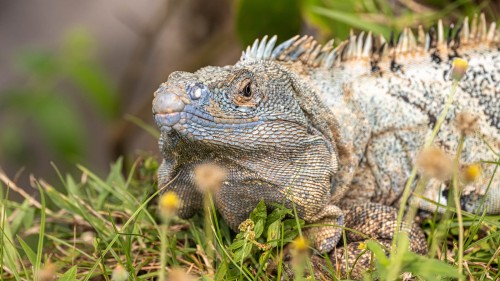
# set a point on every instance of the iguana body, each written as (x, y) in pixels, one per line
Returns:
(327, 130)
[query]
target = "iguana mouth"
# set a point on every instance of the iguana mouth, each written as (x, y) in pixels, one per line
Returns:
(198, 125)
(180, 112)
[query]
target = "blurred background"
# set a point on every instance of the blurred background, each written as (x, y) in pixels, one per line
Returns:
(77, 77)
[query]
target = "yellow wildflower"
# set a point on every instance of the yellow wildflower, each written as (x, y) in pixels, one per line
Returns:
(361, 246)
(300, 244)
(169, 204)
(472, 172)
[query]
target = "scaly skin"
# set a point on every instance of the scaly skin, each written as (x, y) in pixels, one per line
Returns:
(331, 130)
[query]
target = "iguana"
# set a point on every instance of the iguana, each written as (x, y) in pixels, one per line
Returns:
(331, 131)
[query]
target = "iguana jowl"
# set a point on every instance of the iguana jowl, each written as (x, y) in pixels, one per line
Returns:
(333, 130)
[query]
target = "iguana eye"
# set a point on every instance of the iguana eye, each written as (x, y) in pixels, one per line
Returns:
(247, 91)
(245, 94)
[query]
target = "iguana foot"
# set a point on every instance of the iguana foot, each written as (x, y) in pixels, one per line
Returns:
(328, 231)
(377, 221)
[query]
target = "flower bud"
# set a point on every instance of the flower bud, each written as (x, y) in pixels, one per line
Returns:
(459, 67)
(471, 173)
(178, 274)
(434, 163)
(246, 225)
(169, 204)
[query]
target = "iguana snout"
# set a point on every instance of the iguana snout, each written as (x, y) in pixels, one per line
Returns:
(175, 105)
(167, 109)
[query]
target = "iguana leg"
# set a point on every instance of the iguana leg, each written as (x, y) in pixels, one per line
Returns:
(371, 221)
(362, 222)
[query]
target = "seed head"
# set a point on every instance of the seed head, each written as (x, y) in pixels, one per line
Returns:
(209, 177)
(467, 123)
(88, 237)
(169, 204)
(119, 273)
(434, 163)
(47, 272)
(459, 67)
(178, 274)
(472, 172)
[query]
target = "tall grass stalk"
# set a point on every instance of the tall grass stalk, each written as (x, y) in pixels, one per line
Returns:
(41, 235)
(395, 263)
(163, 251)
(458, 209)
(209, 237)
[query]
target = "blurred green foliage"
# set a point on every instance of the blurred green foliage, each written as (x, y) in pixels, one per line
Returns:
(256, 18)
(336, 19)
(45, 102)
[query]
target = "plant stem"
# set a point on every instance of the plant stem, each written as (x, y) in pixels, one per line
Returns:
(163, 251)
(407, 190)
(456, 197)
(209, 250)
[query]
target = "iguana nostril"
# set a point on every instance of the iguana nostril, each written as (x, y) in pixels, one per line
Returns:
(196, 90)
(196, 94)
(167, 102)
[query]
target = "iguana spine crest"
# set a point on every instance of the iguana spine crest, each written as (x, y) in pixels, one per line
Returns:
(377, 48)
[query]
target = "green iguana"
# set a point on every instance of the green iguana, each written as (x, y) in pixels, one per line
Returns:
(334, 131)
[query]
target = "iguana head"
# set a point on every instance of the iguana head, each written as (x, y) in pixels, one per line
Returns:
(252, 120)
(245, 108)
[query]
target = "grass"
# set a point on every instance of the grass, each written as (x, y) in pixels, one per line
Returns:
(113, 229)
(86, 229)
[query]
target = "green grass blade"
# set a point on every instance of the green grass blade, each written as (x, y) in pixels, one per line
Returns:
(350, 19)
(53, 238)
(69, 275)
(39, 253)
(104, 186)
(27, 250)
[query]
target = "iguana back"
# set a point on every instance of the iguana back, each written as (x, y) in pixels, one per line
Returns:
(386, 98)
